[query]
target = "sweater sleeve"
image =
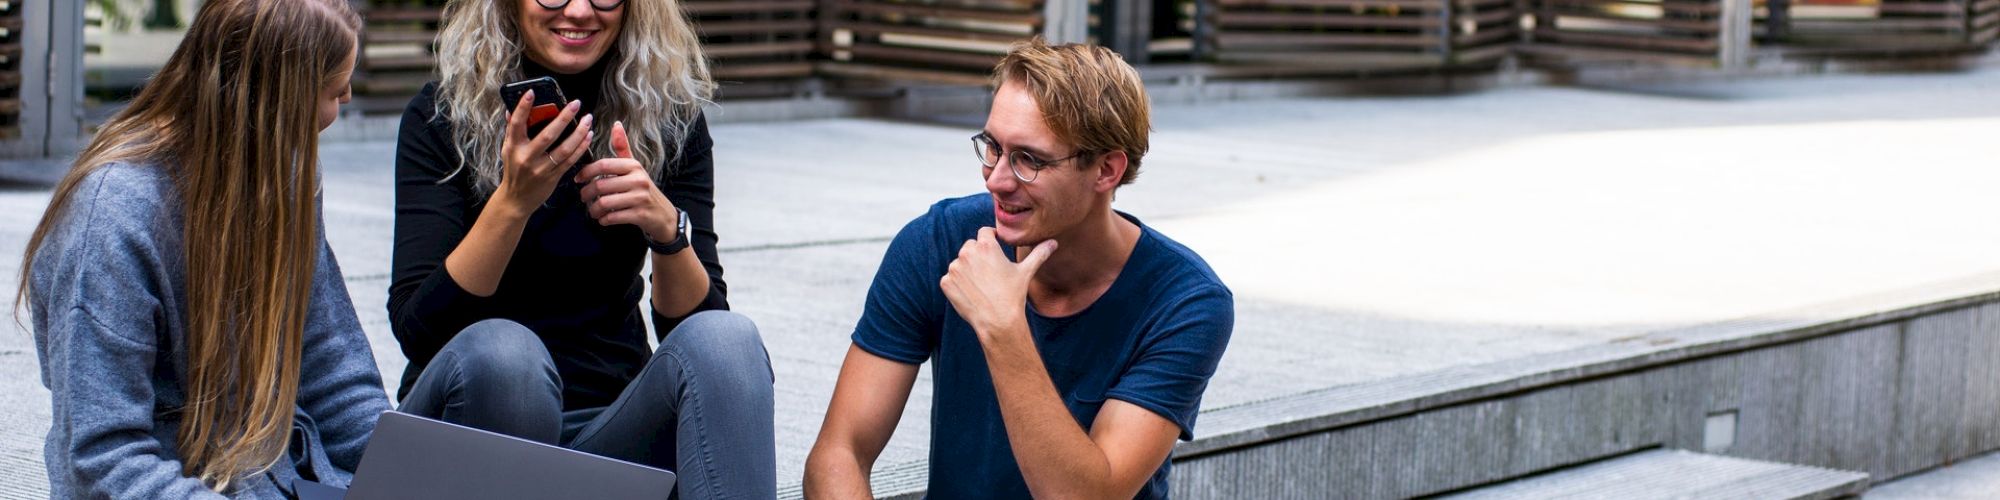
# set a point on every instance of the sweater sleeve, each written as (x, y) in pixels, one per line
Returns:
(433, 206)
(689, 182)
(339, 384)
(99, 336)
(102, 384)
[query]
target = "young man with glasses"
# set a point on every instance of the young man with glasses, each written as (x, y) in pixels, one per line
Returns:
(1068, 374)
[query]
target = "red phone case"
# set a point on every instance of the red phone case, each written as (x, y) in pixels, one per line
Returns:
(542, 113)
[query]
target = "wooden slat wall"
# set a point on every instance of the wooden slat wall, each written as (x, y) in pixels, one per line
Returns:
(745, 40)
(1484, 31)
(11, 37)
(1985, 24)
(770, 44)
(1889, 25)
(1665, 28)
(397, 55)
(1364, 34)
(941, 41)
(754, 41)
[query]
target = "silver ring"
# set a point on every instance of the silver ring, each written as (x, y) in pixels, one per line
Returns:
(551, 159)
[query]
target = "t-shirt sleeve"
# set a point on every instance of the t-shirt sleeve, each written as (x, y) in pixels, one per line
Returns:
(1179, 355)
(904, 313)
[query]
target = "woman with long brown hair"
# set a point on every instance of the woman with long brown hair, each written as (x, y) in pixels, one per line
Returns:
(192, 324)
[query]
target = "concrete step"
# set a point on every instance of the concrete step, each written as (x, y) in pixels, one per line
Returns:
(1973, 479)
(1669, 474)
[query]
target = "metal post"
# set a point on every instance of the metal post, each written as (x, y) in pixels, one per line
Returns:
(1778, 24)
(65, 80)
(1446, 29)
(1066, 21)
(1128, 28)
(1735, 35)
(1204, 31)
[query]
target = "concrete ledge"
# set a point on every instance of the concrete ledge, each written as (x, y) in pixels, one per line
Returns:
(40, 172)
(1973, 479)
(1223, 428)
(1890, 384)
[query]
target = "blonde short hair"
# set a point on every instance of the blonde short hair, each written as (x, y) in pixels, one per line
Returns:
(1089, 97)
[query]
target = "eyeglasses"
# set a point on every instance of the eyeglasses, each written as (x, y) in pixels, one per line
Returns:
(595, 4)
(989, 155)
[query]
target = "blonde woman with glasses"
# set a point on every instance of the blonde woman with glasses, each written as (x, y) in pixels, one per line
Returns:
(192, 324)
(519, 253)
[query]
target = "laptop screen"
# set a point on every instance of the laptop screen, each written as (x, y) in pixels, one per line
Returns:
(415, 457)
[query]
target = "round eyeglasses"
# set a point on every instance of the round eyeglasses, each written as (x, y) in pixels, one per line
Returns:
(989, 156)
(595, 4)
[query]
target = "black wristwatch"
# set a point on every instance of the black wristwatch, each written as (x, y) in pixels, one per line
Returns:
(681, 237)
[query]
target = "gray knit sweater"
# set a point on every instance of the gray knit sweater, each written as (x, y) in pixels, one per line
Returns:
(110, 320)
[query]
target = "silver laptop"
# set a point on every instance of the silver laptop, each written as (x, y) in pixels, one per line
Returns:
(416, 457)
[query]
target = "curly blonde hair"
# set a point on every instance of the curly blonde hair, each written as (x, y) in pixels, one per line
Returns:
(656, 82)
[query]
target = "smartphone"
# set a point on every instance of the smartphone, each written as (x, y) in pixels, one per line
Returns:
(549, 99)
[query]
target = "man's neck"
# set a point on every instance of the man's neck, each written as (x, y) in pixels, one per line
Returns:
(1086, 263)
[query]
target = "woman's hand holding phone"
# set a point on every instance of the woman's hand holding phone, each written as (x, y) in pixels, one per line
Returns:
(531, 168)
(618, 190)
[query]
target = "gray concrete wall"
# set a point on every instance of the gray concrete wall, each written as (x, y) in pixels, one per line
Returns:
(1914, 390)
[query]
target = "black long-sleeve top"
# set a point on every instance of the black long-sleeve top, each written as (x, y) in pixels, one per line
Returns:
(575, 283)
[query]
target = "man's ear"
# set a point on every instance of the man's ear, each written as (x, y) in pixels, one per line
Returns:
(1110, 170)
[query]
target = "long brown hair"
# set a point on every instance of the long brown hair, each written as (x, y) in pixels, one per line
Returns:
(232, 119)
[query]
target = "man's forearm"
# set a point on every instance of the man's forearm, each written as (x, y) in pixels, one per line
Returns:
(836, 474)
(1057, 458)
(867, 401)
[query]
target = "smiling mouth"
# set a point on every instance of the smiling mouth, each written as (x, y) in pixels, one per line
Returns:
(574, 34)
(1011, 209)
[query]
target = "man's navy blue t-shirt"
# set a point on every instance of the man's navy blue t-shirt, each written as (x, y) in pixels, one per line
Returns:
(1152, 340)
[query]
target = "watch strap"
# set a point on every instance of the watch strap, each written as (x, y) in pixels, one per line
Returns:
(681, 238)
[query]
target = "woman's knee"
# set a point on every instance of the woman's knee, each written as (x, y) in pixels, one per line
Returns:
(713, 341)
(497, 351)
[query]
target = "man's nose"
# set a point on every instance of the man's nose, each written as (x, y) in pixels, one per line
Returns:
(1002, 179)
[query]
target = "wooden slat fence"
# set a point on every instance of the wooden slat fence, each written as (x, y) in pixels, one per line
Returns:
(1364, 34)
(938, 41)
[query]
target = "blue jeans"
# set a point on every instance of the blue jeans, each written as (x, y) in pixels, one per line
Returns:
(701, 407)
